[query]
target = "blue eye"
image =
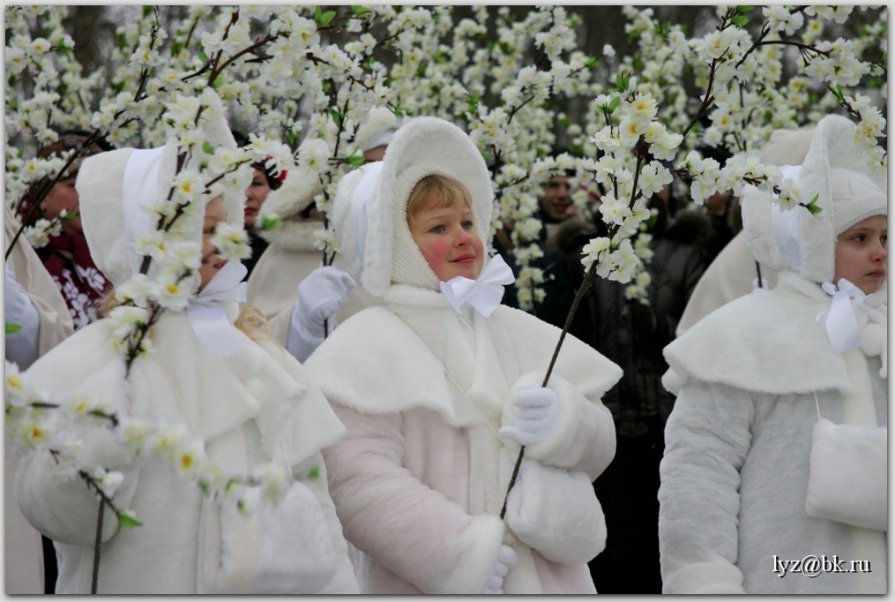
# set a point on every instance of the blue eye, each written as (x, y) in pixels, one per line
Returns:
(438, 229)
(468, 225)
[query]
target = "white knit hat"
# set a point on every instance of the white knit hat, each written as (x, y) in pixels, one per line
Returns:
(837, 172)
(111, 185)
(422, 146)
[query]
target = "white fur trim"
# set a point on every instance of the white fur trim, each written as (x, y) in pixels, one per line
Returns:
(475, 553)
(294, 235)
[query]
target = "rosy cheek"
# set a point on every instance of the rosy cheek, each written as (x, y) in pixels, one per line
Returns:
(436, 254)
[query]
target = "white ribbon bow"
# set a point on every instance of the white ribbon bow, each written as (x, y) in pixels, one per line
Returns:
(483, 294)
(206, 312)
(842, 324)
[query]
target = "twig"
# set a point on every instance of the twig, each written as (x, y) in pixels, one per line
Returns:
(579, 294)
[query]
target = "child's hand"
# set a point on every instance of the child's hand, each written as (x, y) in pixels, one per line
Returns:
(535, 409)
(320, 295)
(506, 560)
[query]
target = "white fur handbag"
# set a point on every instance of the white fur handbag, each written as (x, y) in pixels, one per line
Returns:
(848, 475)
(556, 512)
(276, 549)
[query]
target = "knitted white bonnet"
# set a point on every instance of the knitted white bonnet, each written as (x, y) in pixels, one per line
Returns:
(107, 188)
(421, 147)
(837, 172)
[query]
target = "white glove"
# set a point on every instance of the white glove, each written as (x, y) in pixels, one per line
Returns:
(320, 296)
(535, 409)
(506, 560)
(21, 346)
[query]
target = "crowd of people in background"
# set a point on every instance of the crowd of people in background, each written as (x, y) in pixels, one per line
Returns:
(651, 464)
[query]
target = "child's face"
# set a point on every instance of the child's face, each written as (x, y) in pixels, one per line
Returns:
(861, 254)
(211, 261)
(448, 240)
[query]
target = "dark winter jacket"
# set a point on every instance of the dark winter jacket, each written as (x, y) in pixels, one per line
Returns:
(632, 334)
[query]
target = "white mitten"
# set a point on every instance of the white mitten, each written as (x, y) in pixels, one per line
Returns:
(320, 296)
(535, 409)
(21, 346)
(506, 560)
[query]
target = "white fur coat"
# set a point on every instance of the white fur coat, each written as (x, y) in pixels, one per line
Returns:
(735, 471)
(259, 398)
(420, 476)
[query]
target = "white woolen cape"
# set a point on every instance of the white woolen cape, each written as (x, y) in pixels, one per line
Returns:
(735, 473)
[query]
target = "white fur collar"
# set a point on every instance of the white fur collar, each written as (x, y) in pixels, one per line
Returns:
(293, 235)
(768, 342)
(394, 370)
(214, 395)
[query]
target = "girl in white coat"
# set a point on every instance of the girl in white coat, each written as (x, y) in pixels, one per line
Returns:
(774, 475)
(440, 385)
(249, 401)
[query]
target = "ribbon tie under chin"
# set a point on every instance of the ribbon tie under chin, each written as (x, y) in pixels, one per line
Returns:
(483, 294)
(206, 312)
(842, 323)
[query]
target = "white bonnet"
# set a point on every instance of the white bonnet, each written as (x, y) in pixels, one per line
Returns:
(377, 130)
(287, 202)
(107, 198)
(834, 170)
(349, 214)
(421, 147)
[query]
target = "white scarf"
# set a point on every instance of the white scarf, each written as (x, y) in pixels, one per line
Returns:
(206, 310)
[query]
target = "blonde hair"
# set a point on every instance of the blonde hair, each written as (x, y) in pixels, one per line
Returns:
(450, 192)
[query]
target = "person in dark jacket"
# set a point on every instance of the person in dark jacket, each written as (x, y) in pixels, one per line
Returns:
(633, 334)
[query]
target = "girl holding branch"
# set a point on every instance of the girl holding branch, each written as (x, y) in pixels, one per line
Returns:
(445, 385)
(227, 400)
